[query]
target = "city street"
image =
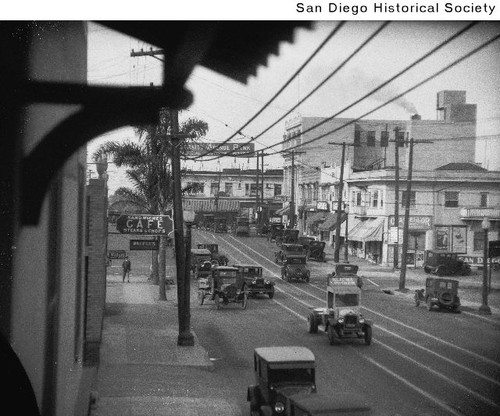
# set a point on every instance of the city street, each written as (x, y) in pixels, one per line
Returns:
(420, 362)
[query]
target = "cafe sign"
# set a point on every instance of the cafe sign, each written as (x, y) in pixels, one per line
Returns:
(144, 224)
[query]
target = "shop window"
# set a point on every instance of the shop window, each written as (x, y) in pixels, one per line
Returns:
(451, 199)
(277, 189)
(370, 138)
(384, 138)
(484, 200)
(404, 197)
(478, 240)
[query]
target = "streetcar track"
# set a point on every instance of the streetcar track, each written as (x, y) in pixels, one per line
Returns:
(393, 334)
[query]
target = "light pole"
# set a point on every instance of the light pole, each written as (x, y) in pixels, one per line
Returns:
(484, 309)
(346, 248)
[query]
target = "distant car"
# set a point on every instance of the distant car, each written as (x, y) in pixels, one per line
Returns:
(440, 293)
(198, 257)
(223, 286)
(305, 240)
(445, 264)
(280, 374)
(295, 267)
(317, 251)
(220, 258)
(275, 231)
(289, 236)
(288, 250)
(342, 317)
(242, 227)
(253, 281)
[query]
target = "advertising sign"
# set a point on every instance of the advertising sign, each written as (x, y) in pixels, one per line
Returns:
(442, 238)
(234, 149)
(459, 239)
(144, 245)
(117, 254)
(415, 222)
(144, 224)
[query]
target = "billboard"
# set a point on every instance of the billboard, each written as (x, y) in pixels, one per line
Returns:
(144, 224)
(234, 149)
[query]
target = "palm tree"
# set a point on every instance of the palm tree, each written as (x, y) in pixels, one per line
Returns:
(150, 175)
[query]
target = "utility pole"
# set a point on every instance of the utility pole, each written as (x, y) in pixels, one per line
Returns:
(396, 196)
(262, 192)
(292, 200)
(257, 198)
(402, 274)
(336, 252)
(185, 337)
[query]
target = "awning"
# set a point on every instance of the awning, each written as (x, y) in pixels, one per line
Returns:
(352, 224)
(369, 230)
(331, 222)
(283, 211)
(315, 217)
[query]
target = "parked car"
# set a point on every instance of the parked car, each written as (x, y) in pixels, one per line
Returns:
(341, 318)
(317, 251)
(223, 286)
(220, 224)
(440, 293)
(305, 240)
(295, 267)
(280, 373)
(253, 281)
(275, 231)
(199, 256)
(348, 270)
(220, 258)
(328, 405)
(445, 264)
(288, 250)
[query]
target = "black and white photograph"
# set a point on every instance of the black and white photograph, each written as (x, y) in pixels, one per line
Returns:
(254, 210)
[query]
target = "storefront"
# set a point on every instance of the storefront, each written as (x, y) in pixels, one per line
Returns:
(365, 239)
(419, 226)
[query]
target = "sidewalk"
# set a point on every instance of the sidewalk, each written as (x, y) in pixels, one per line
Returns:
(142, 371)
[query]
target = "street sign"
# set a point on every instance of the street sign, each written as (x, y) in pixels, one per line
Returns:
(144, 245)
(117, 254)
(144, 224)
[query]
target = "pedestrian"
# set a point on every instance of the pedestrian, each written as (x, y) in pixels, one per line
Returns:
(127, 266)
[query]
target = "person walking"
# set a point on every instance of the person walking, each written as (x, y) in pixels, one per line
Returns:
(127, 266)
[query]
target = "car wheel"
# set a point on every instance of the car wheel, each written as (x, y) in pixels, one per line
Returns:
(427, 269)
(312, 324)
(417, 300)
(368, 335)
(323, 257)
(441, 271)
(445, 298)
(244, 303)
(201, 297)
(271, 294)
(429, 303)
(332, 336)
(217, 301)
(288, 278)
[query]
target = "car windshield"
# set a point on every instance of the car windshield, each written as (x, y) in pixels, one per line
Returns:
(296, 375)
(252, 271)
(296, 260)
(346, 299)
(227, 273)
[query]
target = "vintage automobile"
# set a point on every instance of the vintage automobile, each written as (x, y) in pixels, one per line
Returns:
(199, 256)
(305, 240)
(220, 225)
(280, 373)
(328, 405)
(287, 250)
(440, 293)
(317, 251)
(289, 236)
(445, 264)
(208, 222)
(295, 267)
(242, 227)
(348, 270)
(275, 231)
(342, 316)
(253, 281)
(214, 250)
(224, 285)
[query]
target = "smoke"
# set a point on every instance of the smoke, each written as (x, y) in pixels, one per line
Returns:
(367, 82)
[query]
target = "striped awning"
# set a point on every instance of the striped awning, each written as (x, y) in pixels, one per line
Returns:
(283, 211)
(208, 205)
(368, 230)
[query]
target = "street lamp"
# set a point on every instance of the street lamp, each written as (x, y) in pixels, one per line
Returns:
(484, 309)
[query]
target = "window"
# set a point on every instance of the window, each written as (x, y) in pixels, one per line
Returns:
(250, 189)
(400, 138)
(229, 188)
(357, 138)
(214, 188)
(375, 199)
(478, 240)
(384, 138)
(404, 196)
(370, 138)
(451, 199)
(358, 199)
(484, 200)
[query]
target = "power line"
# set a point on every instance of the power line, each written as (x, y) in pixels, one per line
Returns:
(308, 60)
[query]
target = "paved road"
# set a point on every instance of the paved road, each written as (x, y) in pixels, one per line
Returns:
(420, 363)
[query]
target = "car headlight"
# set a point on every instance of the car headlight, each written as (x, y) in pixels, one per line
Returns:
(341, 321)
(361, 320)
(267, 282)
(279, 407)
(254, 281)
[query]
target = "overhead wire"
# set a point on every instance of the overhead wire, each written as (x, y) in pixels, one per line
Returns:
(294, 75)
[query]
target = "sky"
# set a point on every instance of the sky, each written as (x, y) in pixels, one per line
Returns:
(227, 105)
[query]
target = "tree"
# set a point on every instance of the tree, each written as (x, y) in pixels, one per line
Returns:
(149, 172)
